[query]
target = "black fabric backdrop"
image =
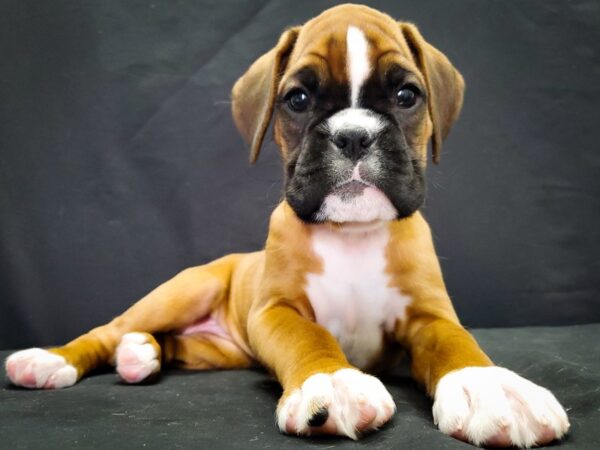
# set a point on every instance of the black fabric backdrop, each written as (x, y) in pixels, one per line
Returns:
(120, 164)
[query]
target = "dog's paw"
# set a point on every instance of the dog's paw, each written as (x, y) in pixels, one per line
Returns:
(137, 357)
(346, 402)
(494, 406)
(36, 368)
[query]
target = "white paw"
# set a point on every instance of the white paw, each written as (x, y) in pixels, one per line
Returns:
(495, 406)
(36, 368)
(136, 358)
(346, 402)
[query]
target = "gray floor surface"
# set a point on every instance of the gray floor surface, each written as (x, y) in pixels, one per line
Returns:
(235, 409)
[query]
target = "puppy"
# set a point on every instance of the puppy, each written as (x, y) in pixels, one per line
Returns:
(348, 273)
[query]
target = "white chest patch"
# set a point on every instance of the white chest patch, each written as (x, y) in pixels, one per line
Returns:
(352, 297)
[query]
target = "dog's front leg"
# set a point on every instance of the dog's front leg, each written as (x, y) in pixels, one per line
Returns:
(474, 400)
(322, 392)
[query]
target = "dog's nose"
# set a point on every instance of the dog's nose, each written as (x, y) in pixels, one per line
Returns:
(353, 144)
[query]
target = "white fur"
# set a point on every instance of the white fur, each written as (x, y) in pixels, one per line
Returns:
(36, 368)
(345, 394)
(357, 55)
(136, 359)
(369, 206)
(485, 403)
(353, 119)
(352, 297)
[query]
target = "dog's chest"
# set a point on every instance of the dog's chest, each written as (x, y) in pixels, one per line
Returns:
(352, 297)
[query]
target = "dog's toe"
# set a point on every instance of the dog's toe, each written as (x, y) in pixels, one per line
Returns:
(495, 407)
(347, 402)
(137, 357)
(37, 368)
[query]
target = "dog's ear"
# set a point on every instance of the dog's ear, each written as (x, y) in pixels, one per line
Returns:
(445, 85)
(253, 95)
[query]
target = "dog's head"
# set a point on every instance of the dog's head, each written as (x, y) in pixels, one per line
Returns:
(355, 97)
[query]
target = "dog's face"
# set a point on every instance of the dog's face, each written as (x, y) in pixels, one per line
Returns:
(355, 98)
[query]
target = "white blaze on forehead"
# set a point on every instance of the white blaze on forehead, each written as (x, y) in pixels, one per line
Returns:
(357, 61)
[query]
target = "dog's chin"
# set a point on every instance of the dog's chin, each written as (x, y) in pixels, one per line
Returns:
(357, 205)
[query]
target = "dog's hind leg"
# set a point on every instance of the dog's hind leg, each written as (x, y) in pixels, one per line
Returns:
(205, 351)
(139, 355)
(174, 305)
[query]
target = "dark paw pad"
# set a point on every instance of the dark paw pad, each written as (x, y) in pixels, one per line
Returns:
(319, 418)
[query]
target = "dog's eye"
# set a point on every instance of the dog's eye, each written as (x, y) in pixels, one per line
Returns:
(407, 96)
(298, 100)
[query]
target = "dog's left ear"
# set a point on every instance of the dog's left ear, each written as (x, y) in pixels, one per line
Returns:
(445, 85)
(253, 95)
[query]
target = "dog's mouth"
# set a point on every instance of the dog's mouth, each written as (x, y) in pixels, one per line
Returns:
(350, 189)
(356, 201)
(344, 191)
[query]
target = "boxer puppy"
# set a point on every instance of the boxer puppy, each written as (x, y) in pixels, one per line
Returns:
(348, 273)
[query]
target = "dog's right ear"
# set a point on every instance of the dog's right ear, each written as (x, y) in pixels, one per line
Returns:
(253, 95)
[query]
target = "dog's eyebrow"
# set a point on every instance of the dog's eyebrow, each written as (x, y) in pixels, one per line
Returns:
(318, 55)
(390, 52)
(395, 73)
(308, 77)
(398, 60)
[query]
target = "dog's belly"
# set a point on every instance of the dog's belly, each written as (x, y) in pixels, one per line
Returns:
(352, 297)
